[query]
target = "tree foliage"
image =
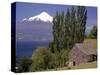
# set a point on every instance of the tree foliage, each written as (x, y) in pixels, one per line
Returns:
(93, 33)
(81, 23)
(42, 60)
(24, 65)
(69, 28)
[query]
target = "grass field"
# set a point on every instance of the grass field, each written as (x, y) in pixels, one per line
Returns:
(93, 42)
(86, 66)
(82, 66)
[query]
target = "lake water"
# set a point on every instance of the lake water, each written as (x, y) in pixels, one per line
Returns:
(26, 49)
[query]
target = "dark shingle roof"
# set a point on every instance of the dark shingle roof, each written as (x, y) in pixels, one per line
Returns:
(86, 48)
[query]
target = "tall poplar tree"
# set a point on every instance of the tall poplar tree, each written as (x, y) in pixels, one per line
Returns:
(69, 28)
(81, 23)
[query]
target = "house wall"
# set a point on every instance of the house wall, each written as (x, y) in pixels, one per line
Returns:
(92, 58)
(77, 57)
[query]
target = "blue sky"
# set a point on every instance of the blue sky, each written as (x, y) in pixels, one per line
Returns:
(31, 9)
(26, 10)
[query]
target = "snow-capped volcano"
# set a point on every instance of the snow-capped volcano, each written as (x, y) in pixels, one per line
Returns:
(44, 16)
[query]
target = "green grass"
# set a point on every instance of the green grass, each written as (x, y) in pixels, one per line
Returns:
(82, 66)
(86, 66)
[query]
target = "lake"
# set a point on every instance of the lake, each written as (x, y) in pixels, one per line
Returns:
(26, 49)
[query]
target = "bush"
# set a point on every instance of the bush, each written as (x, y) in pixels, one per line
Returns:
(64, 56)
(42, 60)
(24, 65)
(61, 58)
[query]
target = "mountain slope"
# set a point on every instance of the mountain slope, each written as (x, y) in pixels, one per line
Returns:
(43, 16)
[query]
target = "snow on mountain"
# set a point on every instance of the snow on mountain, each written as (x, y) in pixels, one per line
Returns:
(44, 16)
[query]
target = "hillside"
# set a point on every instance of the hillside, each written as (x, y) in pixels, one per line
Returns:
(93, 42)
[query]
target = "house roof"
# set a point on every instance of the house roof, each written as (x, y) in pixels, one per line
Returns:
(86, 48)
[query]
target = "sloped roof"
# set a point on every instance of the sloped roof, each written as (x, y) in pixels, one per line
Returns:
(86, 48)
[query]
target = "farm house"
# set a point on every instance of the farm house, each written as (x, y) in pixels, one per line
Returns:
(82, 53)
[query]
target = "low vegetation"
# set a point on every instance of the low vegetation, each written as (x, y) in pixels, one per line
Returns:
(86, 66)
(42, 60)
(81, 66)
(23, 65)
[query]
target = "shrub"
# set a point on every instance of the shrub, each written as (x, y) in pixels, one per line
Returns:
(24, 65)
(42, 59)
